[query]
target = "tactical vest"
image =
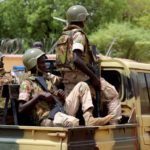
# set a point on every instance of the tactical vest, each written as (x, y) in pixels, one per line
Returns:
(64, 54)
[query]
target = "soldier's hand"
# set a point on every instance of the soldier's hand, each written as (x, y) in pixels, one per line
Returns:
(46, 96)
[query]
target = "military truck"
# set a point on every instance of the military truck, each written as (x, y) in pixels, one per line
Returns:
(132, 81)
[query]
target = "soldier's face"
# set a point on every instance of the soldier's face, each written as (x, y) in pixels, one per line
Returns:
(41, 62)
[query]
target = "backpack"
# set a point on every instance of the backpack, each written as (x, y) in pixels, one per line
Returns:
(64, 55)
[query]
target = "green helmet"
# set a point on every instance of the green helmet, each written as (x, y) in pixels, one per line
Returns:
(77, 13)
(30, 57)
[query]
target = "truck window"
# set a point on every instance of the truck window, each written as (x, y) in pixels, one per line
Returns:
(144, 84)
(117, 79)
(113, 77)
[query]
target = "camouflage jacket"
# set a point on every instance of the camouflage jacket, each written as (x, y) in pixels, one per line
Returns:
(30, 87)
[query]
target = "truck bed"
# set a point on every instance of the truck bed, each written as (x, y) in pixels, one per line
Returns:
(120, 137)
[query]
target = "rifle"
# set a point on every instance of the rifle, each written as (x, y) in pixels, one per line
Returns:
(58, 107)
(96, 69)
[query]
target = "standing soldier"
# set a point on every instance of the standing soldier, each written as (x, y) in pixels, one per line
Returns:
(37, 94)
(74, 59)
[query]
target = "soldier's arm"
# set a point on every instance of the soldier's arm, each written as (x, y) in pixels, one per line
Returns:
(25, 102)
(25, 106)
(81, 65)
(79, 42)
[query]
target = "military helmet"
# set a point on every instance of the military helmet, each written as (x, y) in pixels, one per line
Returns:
(77, 13)
(30, 57)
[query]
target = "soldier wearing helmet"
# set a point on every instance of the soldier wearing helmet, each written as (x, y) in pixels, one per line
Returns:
(82, 57)
(34, 97)
(77, 13)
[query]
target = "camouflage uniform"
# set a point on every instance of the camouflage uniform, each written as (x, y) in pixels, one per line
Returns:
(42, 109)
(71, 77)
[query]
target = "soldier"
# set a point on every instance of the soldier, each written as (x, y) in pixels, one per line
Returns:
(75, 63)
(33, 97)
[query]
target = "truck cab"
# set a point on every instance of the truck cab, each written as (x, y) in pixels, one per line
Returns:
(132, 81)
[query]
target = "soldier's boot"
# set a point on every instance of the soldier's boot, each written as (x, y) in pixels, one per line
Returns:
(91, 121)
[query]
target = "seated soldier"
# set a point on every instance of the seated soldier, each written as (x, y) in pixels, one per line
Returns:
(39, 98)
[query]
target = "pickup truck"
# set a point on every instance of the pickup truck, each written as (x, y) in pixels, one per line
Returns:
(132, 81)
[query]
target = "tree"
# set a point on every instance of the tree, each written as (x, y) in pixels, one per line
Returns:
(27, 19)
(138, 12)
(101, 11)
(130, 42)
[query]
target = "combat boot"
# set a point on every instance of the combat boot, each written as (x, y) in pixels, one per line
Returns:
(91, 121)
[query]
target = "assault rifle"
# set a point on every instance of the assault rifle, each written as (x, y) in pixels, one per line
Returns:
(58, 106)
(96, 70)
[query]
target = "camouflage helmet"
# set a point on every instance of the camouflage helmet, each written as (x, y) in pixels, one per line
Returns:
(77, 13)
(30, 57)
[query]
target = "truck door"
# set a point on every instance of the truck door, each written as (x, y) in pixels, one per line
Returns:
(144, 93)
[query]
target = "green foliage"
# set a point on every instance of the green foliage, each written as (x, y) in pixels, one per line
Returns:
(129, 41)
(144, 21)
(38, 15)
(32, 20)
(27, 19)
(12, 19)
(101, 11)
(138, 12)
(142, 51)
